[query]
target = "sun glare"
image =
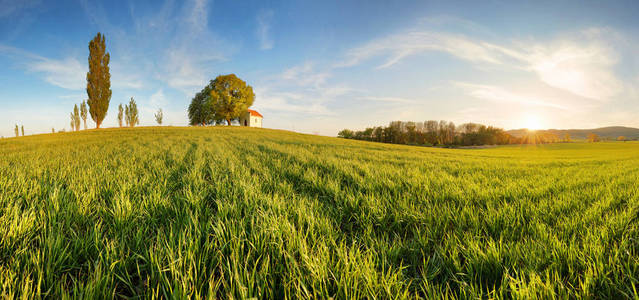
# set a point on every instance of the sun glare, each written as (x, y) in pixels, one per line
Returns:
(533, 122)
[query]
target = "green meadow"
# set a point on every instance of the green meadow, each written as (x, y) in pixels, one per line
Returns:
(162, 212)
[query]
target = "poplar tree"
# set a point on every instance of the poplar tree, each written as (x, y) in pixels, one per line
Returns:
(120, 114)
(127, 114)
(98, 80)
(132, 117)
(22, 127)
(17, 131)
(83, 113)
(76, 117)
(158, 116)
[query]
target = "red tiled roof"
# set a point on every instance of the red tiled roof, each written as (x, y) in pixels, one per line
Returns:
(255, 113)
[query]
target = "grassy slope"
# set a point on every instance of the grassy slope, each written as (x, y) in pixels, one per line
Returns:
(238, 212)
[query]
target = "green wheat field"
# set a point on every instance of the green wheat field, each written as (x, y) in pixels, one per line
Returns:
(178, 212)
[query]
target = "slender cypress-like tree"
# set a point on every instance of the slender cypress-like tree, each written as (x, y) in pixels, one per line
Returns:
(83, 113)
(22, 127)
(120, 114)
(132, 117)
(76, 117)
(127, 113)
(17, 131)
(98, 80)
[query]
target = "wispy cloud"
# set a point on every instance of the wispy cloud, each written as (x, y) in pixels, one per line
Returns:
(197, 14)
(402, 45)
(67, 73)
(158, 99)
(575, 72)
(501, 95)
(290, 103)
(122, 78)
(582, 64)
(334, 91)
(305, 74)
(17, 16)
(263, 32)
(301, 91)
(172, 44)
(194, 49)
(389, 99)
(451, 22)
(583, 68)
(9, 7)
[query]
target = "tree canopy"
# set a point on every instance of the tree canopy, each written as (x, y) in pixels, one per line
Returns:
(225, 98)
(231, 97)
(98, 79)
(201, 110)
(432, 132)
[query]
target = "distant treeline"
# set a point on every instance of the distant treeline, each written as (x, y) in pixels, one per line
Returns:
(444, 133)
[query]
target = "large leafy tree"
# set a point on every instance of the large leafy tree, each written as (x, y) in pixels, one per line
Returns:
(201, 109)
(98, 79)
(230, 97)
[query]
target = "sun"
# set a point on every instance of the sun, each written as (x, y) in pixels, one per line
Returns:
(533, 122)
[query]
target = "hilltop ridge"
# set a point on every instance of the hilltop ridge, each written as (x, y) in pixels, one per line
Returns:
(611, 132)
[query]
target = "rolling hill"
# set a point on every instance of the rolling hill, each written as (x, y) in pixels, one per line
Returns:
(176, 212)
(611, 132)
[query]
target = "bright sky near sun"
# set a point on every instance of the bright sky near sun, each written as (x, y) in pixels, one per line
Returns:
(321, 66)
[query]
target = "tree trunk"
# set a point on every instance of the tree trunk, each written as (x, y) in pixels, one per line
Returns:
(97, 125)
(228, 120)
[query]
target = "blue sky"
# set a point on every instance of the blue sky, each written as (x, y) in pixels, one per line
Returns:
(320, 66)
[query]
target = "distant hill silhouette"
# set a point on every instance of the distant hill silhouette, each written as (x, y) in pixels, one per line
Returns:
(611, 132)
